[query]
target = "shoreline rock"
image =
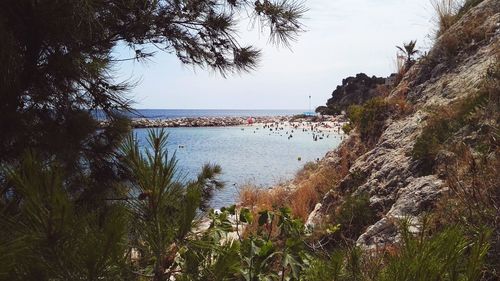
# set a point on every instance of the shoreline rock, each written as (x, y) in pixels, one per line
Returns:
(225, 121)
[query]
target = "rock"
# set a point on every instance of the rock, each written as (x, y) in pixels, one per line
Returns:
(354, 90)
(381, 233)
(313, 219)
(390, 175)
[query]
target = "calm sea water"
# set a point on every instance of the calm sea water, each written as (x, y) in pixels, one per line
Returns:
(181, 113)
(246, 154)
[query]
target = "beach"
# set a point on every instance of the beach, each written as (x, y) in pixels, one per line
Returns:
(312, 123)
(261, 154)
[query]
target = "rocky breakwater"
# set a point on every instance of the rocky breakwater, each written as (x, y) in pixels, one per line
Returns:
(202, 121)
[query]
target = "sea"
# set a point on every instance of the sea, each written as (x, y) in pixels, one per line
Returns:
(248, 155)
(192, 113)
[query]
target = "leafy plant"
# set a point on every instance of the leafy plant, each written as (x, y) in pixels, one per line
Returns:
(409, 51)
(274, 252)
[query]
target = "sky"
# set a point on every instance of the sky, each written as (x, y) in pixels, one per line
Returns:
(342, 38)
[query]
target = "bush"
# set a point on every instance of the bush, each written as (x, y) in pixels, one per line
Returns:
(466, 36)
(370, 118)
(307, 170)
(335, 267)
(447, 255)
(312, 182)
(347, 128)
(275, 251)
(258, 199)
(354, 215)
(441, 126)
(446, 12)
(328, 110)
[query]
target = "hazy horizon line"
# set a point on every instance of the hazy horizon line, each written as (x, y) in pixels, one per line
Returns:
(297, 109)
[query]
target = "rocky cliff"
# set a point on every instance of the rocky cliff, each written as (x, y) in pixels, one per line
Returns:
(453, 70)
(354, 90)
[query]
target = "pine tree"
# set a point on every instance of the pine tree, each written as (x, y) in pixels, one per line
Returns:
(46, 235)
(56, 70)
(163, 207)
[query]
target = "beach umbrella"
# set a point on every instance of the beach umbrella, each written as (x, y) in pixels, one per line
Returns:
(250, 120)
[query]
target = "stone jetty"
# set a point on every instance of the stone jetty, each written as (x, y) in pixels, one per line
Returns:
(200, 121)
(216, 121)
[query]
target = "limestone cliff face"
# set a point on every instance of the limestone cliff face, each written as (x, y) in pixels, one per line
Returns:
(448, 73)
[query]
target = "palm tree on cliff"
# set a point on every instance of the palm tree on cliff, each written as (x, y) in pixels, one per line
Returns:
(409, 51)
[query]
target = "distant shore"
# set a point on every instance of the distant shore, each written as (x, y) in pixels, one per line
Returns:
(324, 122)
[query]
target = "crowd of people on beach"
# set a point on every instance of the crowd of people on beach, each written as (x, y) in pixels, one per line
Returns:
(319, 130)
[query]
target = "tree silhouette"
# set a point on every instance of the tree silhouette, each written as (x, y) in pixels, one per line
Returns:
(409, 51)
(57, 61)
(60, 212)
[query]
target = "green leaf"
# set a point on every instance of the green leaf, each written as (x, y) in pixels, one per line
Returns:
(266, 249)
(295, 266)
(246, 215)
(285, 211)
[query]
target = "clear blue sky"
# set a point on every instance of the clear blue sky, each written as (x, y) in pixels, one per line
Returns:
(343, 38)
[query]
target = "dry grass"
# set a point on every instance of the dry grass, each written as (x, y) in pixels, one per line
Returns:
(400, 68)
(306, 171)
(309, 191)
(473, 199)
(259, 199)
(446, 12)
(470, 169)
(309, 187)
(398, 99)
(383, 90)
(477, 28)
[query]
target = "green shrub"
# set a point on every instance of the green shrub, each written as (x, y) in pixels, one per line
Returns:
(354, 113)
(441, 126)
(354, 215)
(347, 128)
(369, 118)
(448, 255)
(276, 251)
(340, 265)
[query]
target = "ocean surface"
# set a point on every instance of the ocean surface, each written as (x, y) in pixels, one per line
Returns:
(180, 113)
(247, 154)
(192, 113)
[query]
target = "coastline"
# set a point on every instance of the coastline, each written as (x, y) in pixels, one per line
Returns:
(320, 123)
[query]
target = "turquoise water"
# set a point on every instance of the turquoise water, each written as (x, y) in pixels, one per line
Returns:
(246, 154)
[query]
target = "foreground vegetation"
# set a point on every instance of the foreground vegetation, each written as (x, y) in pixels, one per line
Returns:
(153, 232)
(88, 204)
